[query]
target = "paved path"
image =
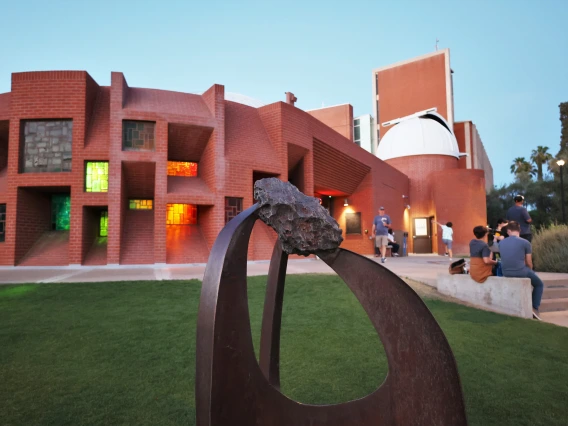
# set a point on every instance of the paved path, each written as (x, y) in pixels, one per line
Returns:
(423, 269)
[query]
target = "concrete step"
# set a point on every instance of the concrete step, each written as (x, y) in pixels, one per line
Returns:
(550, 305)
(555, 293)
(555, 283)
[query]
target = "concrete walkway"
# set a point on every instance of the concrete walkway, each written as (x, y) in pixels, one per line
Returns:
(424, 269)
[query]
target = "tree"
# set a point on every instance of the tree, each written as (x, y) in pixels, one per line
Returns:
(539, 157)
(522, 169)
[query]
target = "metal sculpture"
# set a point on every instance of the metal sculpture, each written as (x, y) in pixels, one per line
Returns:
(422, 386)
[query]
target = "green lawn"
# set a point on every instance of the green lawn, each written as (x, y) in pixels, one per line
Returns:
(124, 354)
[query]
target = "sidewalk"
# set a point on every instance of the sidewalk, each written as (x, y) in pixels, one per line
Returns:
(424, 269)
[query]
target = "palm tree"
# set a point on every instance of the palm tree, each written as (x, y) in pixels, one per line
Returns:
(539, 157)
(521, 166)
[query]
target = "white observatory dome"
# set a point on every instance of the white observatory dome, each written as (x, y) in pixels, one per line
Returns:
(426, 135)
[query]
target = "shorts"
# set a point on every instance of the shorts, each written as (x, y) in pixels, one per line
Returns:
(381, 240)
(448, 243)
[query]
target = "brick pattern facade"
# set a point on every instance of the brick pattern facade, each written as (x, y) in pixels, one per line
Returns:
(234, 144)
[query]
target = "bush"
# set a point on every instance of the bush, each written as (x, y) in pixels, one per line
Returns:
(550, 249)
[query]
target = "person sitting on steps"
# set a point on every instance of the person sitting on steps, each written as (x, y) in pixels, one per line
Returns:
(394, 245)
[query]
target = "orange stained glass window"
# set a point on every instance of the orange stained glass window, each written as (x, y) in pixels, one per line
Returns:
(140, 204)
(181, 214)
(182, 168)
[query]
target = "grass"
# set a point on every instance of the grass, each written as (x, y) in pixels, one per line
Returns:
(124, 353)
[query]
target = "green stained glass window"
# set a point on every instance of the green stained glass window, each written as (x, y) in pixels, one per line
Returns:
(104, 224)
(96, 176)
(60, 212)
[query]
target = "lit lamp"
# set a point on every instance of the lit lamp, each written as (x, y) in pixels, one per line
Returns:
(345, 202)
(561, 165)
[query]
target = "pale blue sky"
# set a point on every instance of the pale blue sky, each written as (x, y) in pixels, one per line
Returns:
(510, 57)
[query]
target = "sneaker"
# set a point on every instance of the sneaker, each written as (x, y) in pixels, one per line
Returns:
(395, 254)
(536, 314)
(383, 259)
(446, 254)
(451, 259)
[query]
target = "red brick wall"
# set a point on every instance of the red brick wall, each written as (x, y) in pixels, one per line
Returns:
(91, 229)
(33, 219)
(459, 131)
(339, 118)
(138, 238)
(419, 169)
(412, 87)
(459, 196)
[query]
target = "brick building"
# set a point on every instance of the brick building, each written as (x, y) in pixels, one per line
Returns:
(99, 175)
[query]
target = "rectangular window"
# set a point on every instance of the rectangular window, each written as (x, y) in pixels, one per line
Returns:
(181, 214)
(357, 132)
(140, 204)
(138, 135)
(60, 212)
(45, 146)
(182, 168)
(103, 228)
(96, 176)
(233, 206)
(2, 223)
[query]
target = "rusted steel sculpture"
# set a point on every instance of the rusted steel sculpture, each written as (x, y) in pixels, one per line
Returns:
(422, 386)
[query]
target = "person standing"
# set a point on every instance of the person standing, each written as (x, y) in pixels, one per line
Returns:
(516, 261)
(520, 215)
(447, 237)
(381, 225)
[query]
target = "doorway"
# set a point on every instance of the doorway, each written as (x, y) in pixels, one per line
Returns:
(422, 235)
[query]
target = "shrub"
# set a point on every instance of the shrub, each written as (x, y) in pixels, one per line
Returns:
(550, 249)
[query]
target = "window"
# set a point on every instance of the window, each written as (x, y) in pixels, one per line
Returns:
(140, 204)
(103, 227)
(357, 132)
(2, 223)
(233, 206)
(181, 214)
(138, 135)
(46, 146)
(96, 176)
(182, 168)
(60, 212)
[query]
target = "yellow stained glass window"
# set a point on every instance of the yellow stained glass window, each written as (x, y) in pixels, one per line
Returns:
(104, 224)
(182, 168)
(140, 204)
(181, 214)
(96, 176)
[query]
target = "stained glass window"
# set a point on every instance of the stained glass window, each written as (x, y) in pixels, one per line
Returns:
(103, 232)
(138, 135)
(233, 206)
(96, 176)
(140, 204)
(181, 214)
(60, 212)
(182, 168)
(2, 222)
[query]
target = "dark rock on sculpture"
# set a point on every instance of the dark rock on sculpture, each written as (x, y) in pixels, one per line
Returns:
(302, 224)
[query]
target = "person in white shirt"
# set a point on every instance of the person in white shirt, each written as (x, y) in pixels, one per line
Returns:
(395, 246)
(447, 237)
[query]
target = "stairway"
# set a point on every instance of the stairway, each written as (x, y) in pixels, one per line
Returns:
(555, 296)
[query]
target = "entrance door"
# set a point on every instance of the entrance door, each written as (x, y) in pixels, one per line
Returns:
(422, 235)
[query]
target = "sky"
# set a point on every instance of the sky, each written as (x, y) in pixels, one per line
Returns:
(510, 58)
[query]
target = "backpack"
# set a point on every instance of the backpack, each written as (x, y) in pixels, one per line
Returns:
(458, 267)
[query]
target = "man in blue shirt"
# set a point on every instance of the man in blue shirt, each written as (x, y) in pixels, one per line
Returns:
(520, 215)
(516, 261)
(381, 225)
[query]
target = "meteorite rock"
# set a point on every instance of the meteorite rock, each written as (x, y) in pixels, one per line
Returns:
(303, 226)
